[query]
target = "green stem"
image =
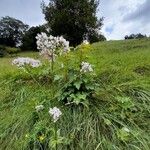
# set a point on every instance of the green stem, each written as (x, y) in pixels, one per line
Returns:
(52, 64)
(66, 67)
(81, 57)
(27, 71)
(56, 135)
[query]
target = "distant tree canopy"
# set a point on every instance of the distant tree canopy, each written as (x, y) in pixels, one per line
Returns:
(74, 19)
(11, 31)
(135, 36)
(29, 40)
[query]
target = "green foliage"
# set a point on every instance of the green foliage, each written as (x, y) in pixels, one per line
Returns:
(77, 89)
(125, 102)
(73, 19)
(5, 50)
(135, 36)
(29, 40)
(12, 31)
(12, 50)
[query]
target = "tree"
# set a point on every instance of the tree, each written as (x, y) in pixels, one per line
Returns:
(140, 36)
(74, 19)
(135, 36)
(11, 31)
(29, 40)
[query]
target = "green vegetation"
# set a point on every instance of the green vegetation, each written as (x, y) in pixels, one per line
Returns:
(11, 51)
(116, 117)
(11, 31)
(79, 20)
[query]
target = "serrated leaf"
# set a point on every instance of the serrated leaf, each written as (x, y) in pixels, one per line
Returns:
(77, 84)
(57, 77)
(89, 87)
(81, 96)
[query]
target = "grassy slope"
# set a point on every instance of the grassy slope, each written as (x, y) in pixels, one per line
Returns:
(129, 61)
(121, 57)
(121, 66)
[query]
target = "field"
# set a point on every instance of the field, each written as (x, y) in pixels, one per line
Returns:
(118, 117)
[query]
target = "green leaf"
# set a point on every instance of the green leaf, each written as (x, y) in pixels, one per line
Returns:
(57, 77)
(90, 87)
(78, 84)
(85, 80)
(125, 102)
(72, 78)
(82, 96)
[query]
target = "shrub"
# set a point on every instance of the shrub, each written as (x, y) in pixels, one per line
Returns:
(12, 50)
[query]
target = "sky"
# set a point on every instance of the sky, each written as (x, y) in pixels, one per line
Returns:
(121, 17)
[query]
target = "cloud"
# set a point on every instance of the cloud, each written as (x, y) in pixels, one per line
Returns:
(142, 13)
(114, 13)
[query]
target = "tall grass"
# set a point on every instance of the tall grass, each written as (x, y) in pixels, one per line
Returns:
(122, 69)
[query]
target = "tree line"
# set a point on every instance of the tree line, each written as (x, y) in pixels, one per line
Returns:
(75, 20)
(135, 36)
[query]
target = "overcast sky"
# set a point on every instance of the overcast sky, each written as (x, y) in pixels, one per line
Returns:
(121, 17)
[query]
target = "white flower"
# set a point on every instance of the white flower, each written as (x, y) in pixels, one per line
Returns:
(55, 113)
(22, 61)
(51, 46)
(39, 108)
(86, 67)
(86, 42)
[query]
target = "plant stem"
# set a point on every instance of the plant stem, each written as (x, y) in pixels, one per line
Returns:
(52, 64)
(81, 58)
(27, 71)
(56, 135)
(66, 67)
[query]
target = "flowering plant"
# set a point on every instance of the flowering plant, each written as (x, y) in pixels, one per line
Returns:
(86, 67)
(26, 61)
(55, 113)
(51, 46)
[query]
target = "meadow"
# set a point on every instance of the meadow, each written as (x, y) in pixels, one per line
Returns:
(117, 116)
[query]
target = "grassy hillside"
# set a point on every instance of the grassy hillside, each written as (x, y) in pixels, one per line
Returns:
(118, 114)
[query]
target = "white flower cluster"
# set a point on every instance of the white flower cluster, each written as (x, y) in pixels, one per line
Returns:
(51, 46)
(55, 113)
(39, 108)
(86, 67)
(22, 61)
(86, 42)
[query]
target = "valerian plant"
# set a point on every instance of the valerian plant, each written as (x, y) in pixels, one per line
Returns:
(27, 65)
(45, 135)
(50, 47)
(23, 62)
(78, 87)
(56, 138)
